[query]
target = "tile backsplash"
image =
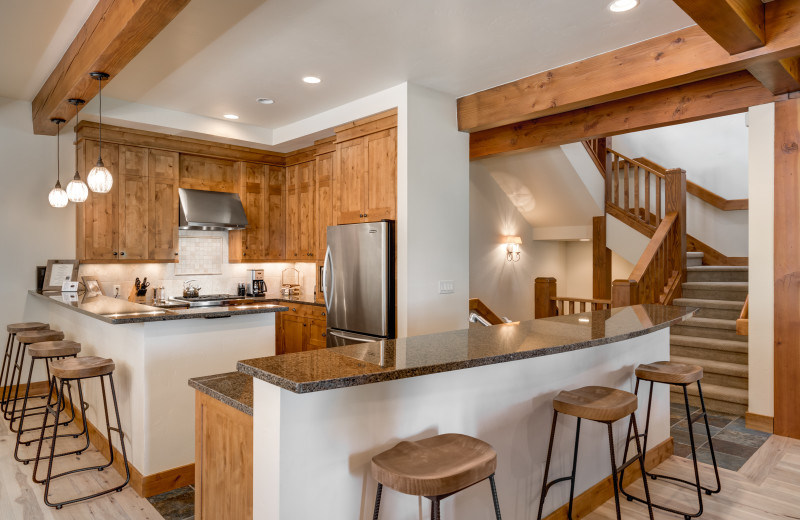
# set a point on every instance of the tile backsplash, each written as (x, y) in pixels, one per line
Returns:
(200, 247)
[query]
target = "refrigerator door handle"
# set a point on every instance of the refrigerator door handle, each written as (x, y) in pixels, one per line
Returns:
(327, 268)
(360, 339)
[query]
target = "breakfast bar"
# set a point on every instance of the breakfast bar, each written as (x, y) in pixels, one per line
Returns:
(319, 417)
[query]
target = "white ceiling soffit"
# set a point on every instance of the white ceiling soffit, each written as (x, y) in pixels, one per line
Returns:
(544, 187)
(217, 57)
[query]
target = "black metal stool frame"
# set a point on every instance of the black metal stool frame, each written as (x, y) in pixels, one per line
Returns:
(640, 457)
(690, 420)
(19, 361)
(436, 500)
(109, 429)
(12, 336)
(21, 429)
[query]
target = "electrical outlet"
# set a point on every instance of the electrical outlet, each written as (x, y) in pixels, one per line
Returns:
(446, 287)
(116, 291)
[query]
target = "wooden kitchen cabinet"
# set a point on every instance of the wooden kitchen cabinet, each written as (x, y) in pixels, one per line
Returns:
(300, 213)
(263, 194)
(163, 200)
(207, 173)
(97, 218)
(324, 201)
(301, 328)
(133, 203)
(254, 196)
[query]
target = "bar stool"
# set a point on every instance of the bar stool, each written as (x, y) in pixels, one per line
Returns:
(435, 468)
(48, 351)
(79, 369)
(13, 329)
(599, 404)
(25, 339)
(679, 374)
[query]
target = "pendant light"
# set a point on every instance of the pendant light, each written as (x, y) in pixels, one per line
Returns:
(99, 179)
(77, 191)
(58, 197)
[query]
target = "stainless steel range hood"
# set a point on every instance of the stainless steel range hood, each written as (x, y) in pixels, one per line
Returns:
(210, 210)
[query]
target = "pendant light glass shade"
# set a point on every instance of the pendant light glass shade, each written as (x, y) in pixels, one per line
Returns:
(58, 197)
(100, 179)
(77, 191)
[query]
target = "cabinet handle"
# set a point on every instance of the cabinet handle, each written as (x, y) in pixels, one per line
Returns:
(365, 215)
(323, 334)
(122, 253)
(294, 310)
(304, 324)
(115, 253)
(323, 313)
(176, 254)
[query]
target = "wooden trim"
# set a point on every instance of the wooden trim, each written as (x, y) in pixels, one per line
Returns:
(475, 304)
(762, 423)
(601, 266)
(670, 60)
(630, 220)
(115, 32)
(724, 95)
(737, 25)
(601, 492)
(38, 388)
(365, 120)
(378, 125)
(743, 322)
(545, 290)
(653, 246)
(597, 150)
(327, 145)
(174, 143)
(710, 255)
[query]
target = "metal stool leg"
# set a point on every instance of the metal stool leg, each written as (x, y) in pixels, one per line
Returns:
(614, 469)
(6, 365)
(377, 502)
(435, 512)
(641, 457)
(494, 498)
(10, 414)
(710, 445)
(545, 487)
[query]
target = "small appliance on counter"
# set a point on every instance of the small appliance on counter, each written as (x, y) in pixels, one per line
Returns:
(257, 283)
(190, 289)
(290, 282)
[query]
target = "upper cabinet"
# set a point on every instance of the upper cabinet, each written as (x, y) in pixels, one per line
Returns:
(300, 211)
(209, 174)
(365, 170)
(263, 193)
(97, 217)
(325, 156)
(163, 200)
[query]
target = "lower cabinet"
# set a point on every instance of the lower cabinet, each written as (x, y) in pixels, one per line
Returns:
(223, 481)
(301, 328)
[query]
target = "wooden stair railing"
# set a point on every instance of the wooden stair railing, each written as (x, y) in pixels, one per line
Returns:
(658, 274)
(635, 189)
(743, 323)
(597, 149)
(477, 306)
(548, 304)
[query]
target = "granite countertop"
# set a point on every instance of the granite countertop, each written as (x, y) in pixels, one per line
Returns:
(117, 311)
(234, 389)
(373, 362)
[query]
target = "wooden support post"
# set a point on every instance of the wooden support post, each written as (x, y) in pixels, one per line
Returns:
(544, 292)
(601, 270)
(787, 267)
(624, 293)
(675, 198)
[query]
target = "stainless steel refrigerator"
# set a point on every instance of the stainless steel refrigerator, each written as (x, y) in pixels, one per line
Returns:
(358, 283)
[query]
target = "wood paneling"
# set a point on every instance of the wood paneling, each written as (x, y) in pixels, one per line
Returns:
(724, 95)
(115, 32)
(737, 25)
(224, 460)
(601, 267)
(324, 201)
(365, 127)
(677, 58)
(787, 267)
(206, 173)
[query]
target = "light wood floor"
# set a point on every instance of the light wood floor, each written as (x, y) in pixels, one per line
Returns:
(21, 499)
(767, 487)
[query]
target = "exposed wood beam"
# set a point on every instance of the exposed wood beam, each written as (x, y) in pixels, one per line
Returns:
(677, 58)
(714, 97)
(737, 25)
(115, 32)
(779, 76)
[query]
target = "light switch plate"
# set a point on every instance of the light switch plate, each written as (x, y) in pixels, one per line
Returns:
(446, 287)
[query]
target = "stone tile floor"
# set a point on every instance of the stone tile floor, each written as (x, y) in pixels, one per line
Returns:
(733, 445)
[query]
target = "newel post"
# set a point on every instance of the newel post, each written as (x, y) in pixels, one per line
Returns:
(544, 292)
(675, 199)
(624, 293)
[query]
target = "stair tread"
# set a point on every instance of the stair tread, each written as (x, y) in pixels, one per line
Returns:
(709, 323)
(710, 304)
(694, 254)
(730, 268)
(717, 392)
(714, 367)
(720, 286)
(709, 343)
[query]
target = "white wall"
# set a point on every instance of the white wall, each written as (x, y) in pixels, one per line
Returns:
(762, 304)
(577, 282)
(33, 232)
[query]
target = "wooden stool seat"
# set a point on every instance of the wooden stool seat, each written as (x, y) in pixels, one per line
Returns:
(16, 328)
(51, 349)
(436, 466)
(596, 403)
(670, 373)
(38, 336)
(81, 367)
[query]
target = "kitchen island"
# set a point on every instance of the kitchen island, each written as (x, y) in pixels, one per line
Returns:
(321, 416)
(155, 351)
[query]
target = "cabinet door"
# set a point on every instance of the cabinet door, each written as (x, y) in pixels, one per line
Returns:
(292, 332)
(293, 212)
(350, 178)
(163, 173)
(253, 198)
(205, 173)
(324, 184)
(100, 216)
(275, 225)
(306, 211)
(133, 203)
(316, 332)
(382, 176)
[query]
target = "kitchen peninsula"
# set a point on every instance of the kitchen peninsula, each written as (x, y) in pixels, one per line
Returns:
(321, 416)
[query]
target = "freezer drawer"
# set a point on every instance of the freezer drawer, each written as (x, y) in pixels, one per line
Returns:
(340, 338)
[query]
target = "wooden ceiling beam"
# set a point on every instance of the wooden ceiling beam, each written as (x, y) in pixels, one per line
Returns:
(779, 76)
(677, 58)
(115, 32)
(737, 25)
(723, 95)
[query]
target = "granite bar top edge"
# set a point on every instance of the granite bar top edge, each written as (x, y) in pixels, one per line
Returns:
(169, 315)
(204, 384)
(405, 373)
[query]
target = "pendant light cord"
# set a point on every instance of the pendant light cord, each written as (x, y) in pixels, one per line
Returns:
(77, 121)
(100, 131)
(58, 153)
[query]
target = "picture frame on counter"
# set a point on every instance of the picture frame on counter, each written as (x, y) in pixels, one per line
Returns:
(58, 272)
(92, 286)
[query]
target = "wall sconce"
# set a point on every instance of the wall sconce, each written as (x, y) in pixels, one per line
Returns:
(512, 247)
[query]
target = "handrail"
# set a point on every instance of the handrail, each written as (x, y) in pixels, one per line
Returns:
(477, 306)
(653, 247)
(597, 149)
(743, 323)
(564, 304)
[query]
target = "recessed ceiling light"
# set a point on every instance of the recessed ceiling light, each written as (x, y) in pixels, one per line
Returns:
(312, 79)
(265, 101)
(585, 239)
(619, 6)
(231, 116)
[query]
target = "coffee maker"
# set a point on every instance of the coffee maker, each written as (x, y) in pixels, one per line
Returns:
(257, 282)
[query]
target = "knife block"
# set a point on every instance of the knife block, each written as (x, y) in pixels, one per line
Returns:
(137, 296)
